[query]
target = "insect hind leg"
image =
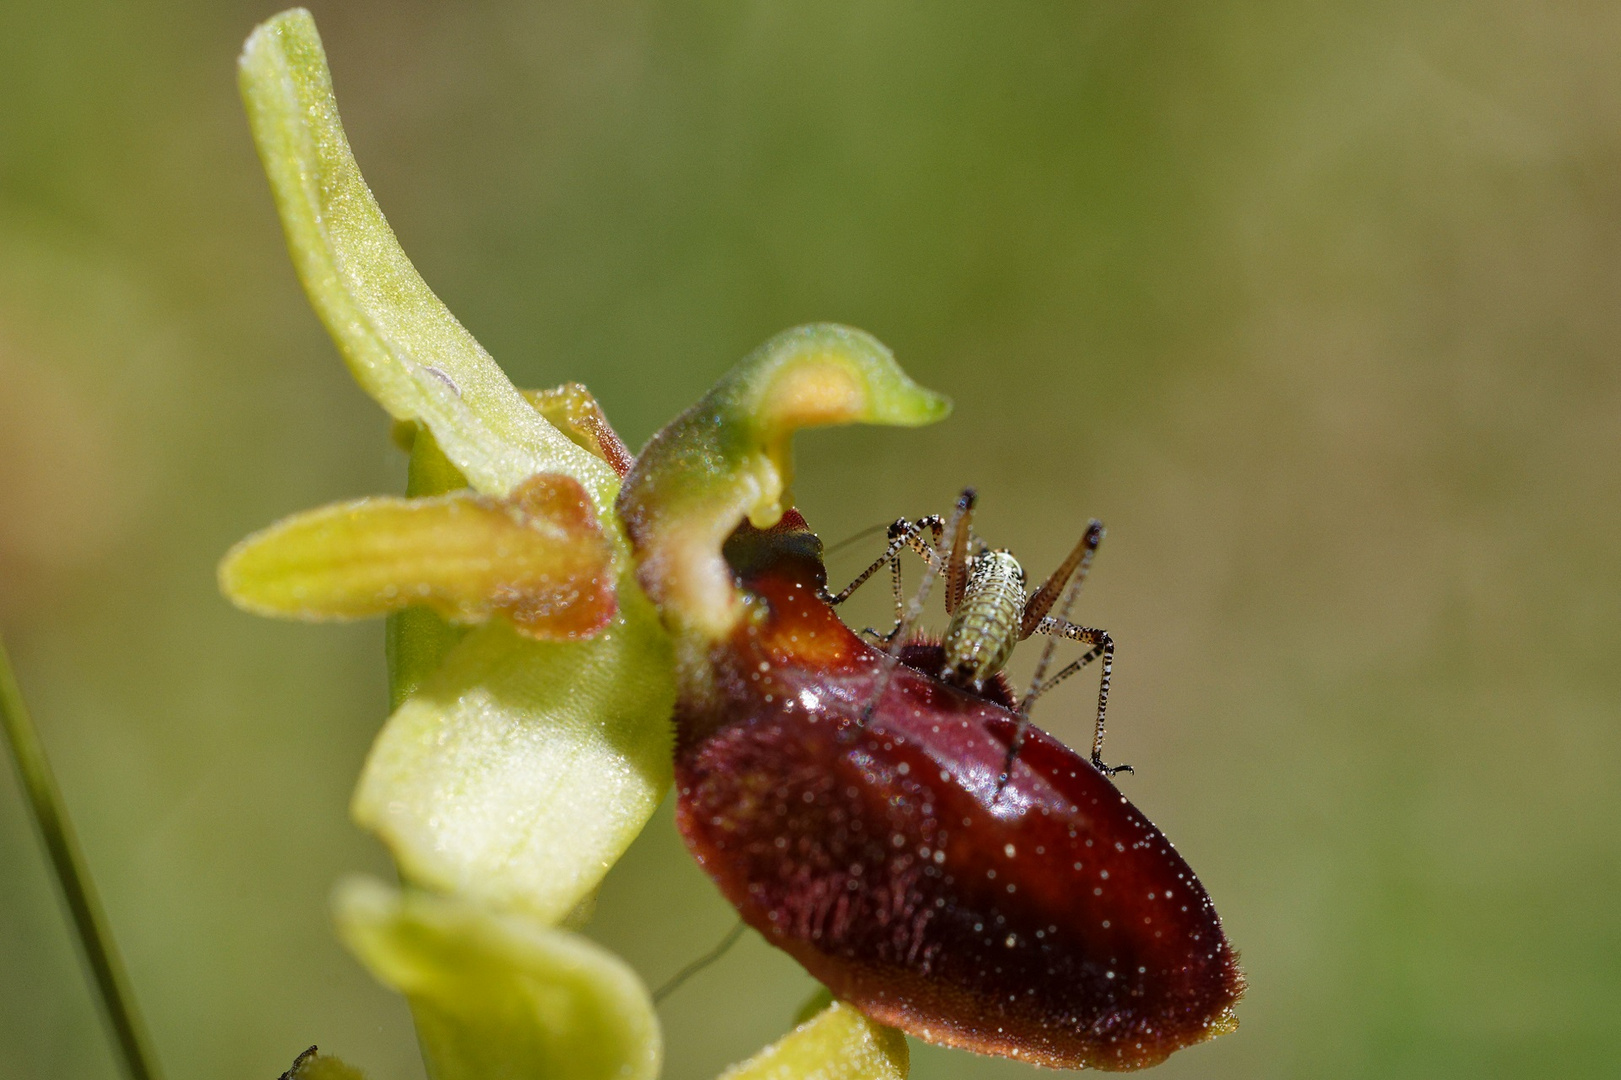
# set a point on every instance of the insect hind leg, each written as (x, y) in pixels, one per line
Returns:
(1102, 645)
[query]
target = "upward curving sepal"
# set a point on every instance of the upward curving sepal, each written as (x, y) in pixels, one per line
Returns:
(729, 458)
(401, 343)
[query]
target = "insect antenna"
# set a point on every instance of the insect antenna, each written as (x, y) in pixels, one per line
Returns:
(914, 607)
(673, 983)
(855, 538)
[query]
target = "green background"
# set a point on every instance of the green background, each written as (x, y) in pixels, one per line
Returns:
(1315, 305)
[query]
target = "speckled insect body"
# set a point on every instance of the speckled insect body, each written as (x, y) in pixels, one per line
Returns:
(985, 627)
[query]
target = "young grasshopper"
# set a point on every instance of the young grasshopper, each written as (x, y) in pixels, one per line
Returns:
(990, 612)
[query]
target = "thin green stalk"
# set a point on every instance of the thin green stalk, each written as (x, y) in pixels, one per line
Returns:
(71, 874)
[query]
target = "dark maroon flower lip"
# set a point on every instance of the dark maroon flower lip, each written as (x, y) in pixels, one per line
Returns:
(853, 810)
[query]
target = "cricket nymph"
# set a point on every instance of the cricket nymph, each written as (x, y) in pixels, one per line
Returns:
(989, 611)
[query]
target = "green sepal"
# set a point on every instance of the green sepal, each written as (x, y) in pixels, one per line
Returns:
(500, 996)
(521, 770)
(400, 342)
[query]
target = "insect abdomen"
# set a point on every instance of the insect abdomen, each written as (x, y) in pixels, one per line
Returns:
(985, 627)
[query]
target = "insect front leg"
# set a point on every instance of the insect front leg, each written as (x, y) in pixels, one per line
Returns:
(1101, 645)
(891, 555)
(902, 534)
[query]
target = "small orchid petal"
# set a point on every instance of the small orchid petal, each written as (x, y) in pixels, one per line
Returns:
(572, 410)
(537, 557)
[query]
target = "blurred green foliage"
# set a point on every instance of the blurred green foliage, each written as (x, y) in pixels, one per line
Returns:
(1314, 305)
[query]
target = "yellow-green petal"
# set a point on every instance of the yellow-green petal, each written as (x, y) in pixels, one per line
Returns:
(571, 409)
(521, 770)
(402, 344)
(538, 558)
(728, 457)
(501, 996)
(836, 1044)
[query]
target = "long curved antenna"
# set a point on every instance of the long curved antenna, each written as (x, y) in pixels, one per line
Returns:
(855, 538)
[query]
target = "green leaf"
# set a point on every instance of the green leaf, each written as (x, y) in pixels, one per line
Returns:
(521, 770)
(729, 457)
(398, 339)
(501, 996)
(836, 1044)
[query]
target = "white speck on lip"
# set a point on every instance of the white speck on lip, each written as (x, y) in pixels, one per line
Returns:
(1008, 850)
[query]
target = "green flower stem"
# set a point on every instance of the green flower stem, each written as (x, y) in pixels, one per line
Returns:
(417, 640)
(71, 874)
